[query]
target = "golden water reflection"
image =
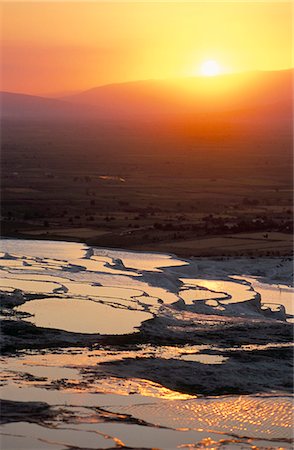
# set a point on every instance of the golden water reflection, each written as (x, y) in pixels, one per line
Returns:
(264, 417)
(82, 316)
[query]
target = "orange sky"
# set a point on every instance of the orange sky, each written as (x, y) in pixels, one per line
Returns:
(65, 46)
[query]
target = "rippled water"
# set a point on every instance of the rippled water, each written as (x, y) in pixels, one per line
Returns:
(111, 292)
(165, 419)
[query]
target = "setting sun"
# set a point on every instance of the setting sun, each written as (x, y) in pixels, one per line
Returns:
(147, 224)
(66, 57)
(210, 68)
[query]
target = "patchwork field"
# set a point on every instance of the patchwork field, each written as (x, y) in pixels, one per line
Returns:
(145, 190)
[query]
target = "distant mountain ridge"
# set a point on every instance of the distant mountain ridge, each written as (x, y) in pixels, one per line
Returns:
(17, 106)
(251, 94)
(180, 90)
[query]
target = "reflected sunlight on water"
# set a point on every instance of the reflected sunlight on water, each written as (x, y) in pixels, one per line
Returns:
(92, 291)
(82, 316)
(259, 417)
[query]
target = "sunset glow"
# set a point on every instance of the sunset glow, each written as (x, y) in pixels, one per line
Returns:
(210, 68)
(147, 223)
(60, 47)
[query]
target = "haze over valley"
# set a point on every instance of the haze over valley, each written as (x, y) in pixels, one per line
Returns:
(146, 257)
(168, 160)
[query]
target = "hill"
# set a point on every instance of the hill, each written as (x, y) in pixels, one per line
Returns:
(191, 96)
(249, 97)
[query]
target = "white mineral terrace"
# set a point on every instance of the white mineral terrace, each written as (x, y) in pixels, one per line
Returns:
(115, 292)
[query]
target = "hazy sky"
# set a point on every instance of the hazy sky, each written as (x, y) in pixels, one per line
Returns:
(52, 47)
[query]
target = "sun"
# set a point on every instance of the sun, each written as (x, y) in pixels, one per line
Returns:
(210, 68)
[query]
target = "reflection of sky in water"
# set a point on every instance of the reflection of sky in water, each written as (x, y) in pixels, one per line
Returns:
(209, 419)
(140, 260)
(262, 416)
(273, 293)
(92, 432)
(76, 365)
(43, 266)
(239, 292)
(97, 265)
(241, 415)
(46, 283)
(189, 295)
(38, 287)
(82, 316)
(120, 296)
(73, 437)
(51, 372)
(43, 249)
(204, 359)
(39, 272)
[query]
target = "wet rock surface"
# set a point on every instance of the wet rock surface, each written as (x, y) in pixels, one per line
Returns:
(208, 338)
(12, 411)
